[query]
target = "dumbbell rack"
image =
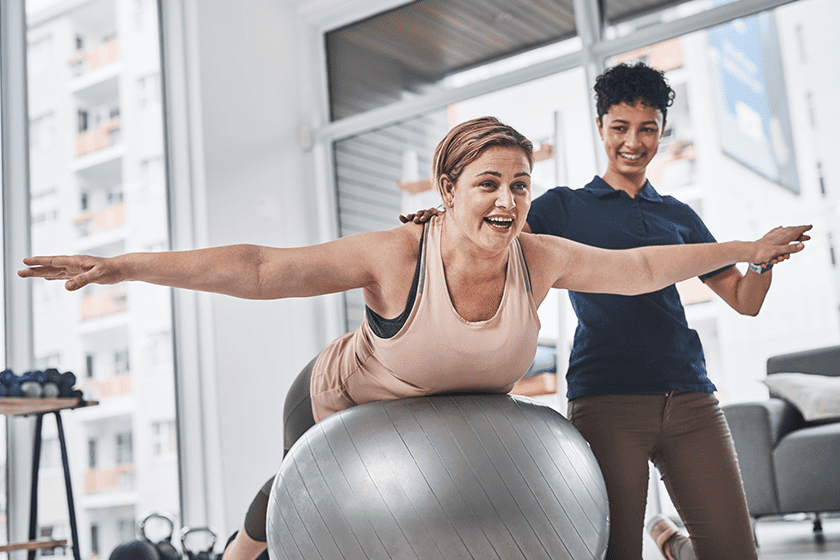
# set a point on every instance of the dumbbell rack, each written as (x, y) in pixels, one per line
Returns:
(17, 406)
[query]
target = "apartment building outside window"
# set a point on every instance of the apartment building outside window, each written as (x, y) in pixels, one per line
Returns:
(92, 454)
(41, 131)
(163, 438)
(40, 55)
(96, 148)
(148, 90)
(46, 533)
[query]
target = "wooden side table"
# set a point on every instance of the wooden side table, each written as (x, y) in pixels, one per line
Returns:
(16, 406)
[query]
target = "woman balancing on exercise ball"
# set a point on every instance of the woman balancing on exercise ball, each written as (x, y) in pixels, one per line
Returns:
(466, 285)
(637, 383)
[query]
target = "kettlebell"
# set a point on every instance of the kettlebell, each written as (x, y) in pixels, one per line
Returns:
(135, 550)
(195, 551)
(166, 550)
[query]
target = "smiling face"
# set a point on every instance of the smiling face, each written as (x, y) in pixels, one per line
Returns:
(489, 202)
(631, 135)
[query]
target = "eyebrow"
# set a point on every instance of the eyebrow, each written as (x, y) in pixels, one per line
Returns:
(497, 174)
(628, 122)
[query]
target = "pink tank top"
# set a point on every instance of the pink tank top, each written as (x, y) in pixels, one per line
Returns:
(436, 350)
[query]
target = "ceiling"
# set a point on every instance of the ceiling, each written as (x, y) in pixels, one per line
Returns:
(422, 42)
(616, 11)
(438, 37)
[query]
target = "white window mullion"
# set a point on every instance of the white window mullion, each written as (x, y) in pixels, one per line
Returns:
(199, 443)
(16, 246)
(719, 15)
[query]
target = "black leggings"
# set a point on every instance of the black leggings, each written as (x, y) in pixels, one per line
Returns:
(297, 418)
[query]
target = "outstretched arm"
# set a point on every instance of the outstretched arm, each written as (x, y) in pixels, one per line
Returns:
(560, 263)
(245, 271)
(744, 293)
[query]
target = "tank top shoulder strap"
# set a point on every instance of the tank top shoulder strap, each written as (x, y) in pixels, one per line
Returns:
(387, 328)
(432, 264)
(520, 258)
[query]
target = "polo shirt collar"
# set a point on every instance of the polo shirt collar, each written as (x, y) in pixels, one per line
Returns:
(602, 189)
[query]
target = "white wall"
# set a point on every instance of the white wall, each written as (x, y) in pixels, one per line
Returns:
(258, 188)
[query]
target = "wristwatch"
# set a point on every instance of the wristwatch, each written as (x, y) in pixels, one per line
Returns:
(758, 269)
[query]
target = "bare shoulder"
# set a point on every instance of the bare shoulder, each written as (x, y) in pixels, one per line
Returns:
(541, 256)
(406, 238)
(548, 258)
(411, 233)
(393, 262)
(395, 246)
(541, 249)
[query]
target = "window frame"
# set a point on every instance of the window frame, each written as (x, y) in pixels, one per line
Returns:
(16, 242)
(595, 50)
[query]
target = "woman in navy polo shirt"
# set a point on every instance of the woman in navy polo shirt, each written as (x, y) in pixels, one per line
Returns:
(637, 382)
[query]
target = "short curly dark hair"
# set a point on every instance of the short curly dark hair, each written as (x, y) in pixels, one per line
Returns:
(628, 84)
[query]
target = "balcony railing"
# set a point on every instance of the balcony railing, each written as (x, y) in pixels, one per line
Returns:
(85, 61)
(110, 387)
(98, 138)
(116, 478)
(103, 304)
(100, 220)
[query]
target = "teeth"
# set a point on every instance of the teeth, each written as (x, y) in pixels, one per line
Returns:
(500, 221)
(629, 156)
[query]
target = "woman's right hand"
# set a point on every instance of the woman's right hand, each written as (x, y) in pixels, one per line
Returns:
(77, 270)
(421, 216)
(779, 243)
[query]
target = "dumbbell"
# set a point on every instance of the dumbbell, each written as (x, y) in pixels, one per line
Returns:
(65, 384)
(32, 384)
(32, 389)
(51, 388)
(48, 384)
(11, 383)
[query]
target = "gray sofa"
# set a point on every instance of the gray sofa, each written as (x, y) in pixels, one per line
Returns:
(789, 465)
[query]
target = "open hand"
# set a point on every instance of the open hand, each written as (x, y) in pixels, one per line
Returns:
(78, 270)
(779, 243)
(421, 216)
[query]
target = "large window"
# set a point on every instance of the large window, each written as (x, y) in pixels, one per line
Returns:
(97, 187)
(3, 509)
(745, 144)
(368, 197)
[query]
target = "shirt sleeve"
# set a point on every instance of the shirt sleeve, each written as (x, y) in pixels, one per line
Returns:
(549, 213)
(699, 233)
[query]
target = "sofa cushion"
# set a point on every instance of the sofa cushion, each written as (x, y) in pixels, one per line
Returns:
(816, 396)
(756, 428)
(806, 462)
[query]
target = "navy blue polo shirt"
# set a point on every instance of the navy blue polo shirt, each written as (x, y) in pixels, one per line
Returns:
(627, 344)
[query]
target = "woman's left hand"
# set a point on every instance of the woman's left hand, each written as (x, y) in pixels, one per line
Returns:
(422, 216)
(779, 243)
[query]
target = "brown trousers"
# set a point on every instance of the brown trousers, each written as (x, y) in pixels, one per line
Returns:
(685, 435)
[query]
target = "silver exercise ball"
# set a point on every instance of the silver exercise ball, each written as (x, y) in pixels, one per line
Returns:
(442, 477)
